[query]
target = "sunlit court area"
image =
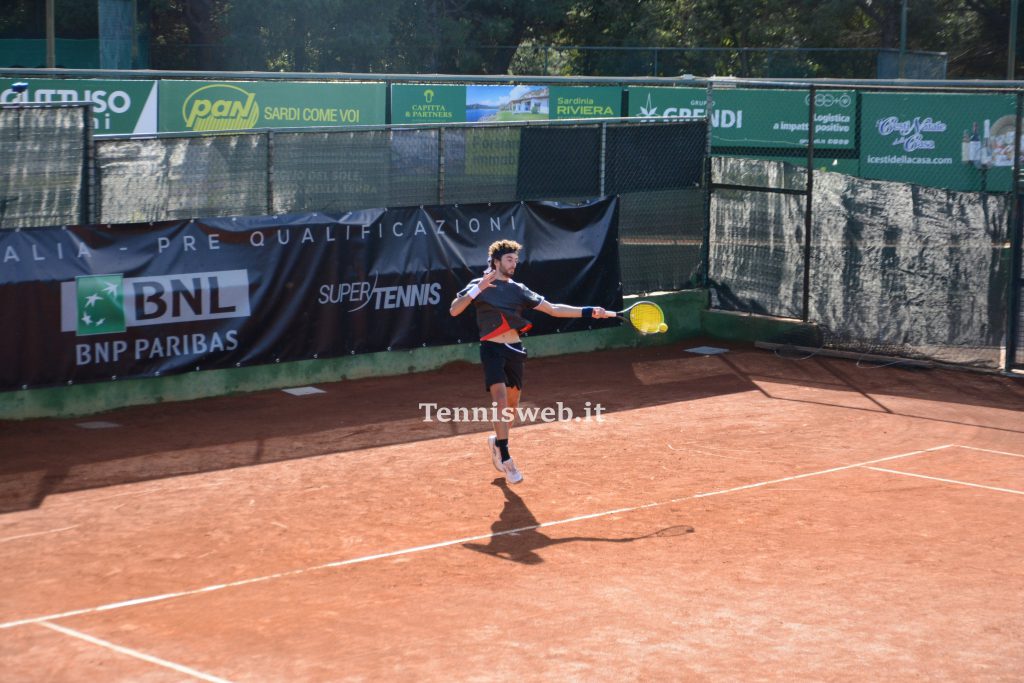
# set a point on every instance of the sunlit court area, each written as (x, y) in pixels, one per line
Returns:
(538, 341)
(738, 515)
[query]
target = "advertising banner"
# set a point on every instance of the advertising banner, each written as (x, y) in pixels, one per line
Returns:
(960, 142)
(428, 103)
(774, 119)
(472, 103)
(205, 106)
(91, 303)
(581, 102)
(118, 107)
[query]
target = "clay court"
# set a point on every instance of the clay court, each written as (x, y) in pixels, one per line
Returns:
(740, 516)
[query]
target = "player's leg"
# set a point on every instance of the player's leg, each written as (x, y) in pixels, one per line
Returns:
(513, 403)
(503, 462)
(493, 362)
(515, 357)
(500, 402)
(515, 365)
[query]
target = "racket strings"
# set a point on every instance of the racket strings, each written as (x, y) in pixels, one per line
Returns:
(646, 317)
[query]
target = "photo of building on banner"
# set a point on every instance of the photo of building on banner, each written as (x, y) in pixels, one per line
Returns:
(501, 103)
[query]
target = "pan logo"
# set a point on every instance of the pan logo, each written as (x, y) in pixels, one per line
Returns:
(220, 107)
(110, 304)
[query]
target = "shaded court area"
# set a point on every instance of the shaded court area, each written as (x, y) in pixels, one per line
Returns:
(739, 516)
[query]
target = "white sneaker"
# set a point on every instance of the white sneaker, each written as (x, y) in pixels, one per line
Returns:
(495, 453)
(512, 473)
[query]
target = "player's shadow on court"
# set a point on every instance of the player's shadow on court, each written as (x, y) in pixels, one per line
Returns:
(516, 534)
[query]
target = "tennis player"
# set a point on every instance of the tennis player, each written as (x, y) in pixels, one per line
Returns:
(500, 302)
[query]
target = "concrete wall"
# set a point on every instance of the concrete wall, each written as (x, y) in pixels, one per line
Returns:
(686, 313)
(683, 311)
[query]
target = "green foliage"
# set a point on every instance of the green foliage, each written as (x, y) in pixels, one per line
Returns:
(310, 35)
(504, 36)
(27, 19)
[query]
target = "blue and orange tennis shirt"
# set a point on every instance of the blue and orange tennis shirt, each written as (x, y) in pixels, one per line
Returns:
(500, 308)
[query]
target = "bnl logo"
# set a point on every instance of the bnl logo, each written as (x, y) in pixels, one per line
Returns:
(109, 304)
(100, 304)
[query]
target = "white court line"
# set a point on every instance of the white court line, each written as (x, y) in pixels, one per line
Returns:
(989, 450)
(947, 481)
(38, 533)
(444, 544)
(809, 474)
(134, 653)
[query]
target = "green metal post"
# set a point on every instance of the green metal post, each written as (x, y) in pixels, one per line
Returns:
(1016, 229)
(808, 218)
(903, 39)
(1011, 56)
(51, 35)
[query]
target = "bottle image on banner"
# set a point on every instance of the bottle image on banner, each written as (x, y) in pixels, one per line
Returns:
(974, 145)
(986, 145)
(965, 148)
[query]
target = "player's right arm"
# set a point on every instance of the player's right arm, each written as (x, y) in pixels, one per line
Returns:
(462, 302)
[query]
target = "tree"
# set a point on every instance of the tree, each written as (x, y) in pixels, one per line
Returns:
(612, 26)
(27, 19)
(187, 34)
(983, 44)
(486, 36)
(313, 35)
(475, 36)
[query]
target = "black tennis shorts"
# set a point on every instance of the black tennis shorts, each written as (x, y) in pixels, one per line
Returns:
(503, 363)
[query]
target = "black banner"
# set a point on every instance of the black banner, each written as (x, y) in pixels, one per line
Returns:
(88, 303)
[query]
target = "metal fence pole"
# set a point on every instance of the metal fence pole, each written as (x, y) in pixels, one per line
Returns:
(603, 159)
(51, 34)
(807, 212)
(440, 165)
(270, 172)
(705, 247)
(1013, 299)
(1011, 52)
(86, 213)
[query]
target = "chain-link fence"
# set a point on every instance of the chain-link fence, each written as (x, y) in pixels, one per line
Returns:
(913, 250)
(887, 217)
(585, 60)
(46, 160)
(657, 169)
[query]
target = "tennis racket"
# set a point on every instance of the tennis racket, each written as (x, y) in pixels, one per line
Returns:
(645, 317)
(669, 532)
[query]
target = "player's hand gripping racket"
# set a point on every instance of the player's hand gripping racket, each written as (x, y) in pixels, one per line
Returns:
(646, 317)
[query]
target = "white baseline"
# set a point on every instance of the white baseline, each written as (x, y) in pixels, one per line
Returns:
(133, 653)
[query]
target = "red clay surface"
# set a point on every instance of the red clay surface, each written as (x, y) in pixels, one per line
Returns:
(734, 517)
